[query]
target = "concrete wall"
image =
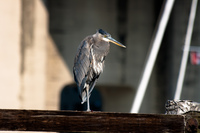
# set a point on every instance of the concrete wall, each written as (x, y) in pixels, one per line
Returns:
(43, 72)
(57, 76)
(32, 71)
(10, 53)
(34, 56)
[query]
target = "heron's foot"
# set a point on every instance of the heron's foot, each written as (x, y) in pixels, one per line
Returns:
(88, 110)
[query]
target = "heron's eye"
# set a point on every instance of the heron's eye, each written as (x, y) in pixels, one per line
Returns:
(105, 36)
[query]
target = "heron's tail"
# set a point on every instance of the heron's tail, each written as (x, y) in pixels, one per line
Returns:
(84, 97)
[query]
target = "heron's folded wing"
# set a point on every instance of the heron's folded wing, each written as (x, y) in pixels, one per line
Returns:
(82, 64)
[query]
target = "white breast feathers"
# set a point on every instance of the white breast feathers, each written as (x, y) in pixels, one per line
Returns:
(97, 65)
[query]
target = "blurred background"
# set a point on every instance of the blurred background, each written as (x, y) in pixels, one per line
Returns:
(39, 40)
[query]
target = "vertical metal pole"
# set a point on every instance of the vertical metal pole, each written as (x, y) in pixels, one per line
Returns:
(152, 56)
(186, 50)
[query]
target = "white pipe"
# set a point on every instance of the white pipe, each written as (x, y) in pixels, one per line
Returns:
(152, 56)
(186, 50)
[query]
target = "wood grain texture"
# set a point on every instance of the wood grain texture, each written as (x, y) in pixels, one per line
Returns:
(72, 121)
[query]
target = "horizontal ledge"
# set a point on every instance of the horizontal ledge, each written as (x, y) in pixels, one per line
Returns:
(75, 121)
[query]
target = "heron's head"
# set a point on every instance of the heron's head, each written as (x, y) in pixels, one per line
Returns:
(107, 37)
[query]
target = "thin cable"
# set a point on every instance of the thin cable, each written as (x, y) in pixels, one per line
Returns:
(186, 50)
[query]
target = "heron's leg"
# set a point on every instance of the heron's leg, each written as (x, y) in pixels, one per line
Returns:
(88, 102)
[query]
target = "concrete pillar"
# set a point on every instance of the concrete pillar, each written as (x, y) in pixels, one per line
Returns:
(34, 44)
(10, 13)
(58, 75)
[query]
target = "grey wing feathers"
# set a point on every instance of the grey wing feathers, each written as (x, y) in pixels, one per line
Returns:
(82, 64)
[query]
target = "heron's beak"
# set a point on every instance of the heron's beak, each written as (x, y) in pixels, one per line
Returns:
(110, 39)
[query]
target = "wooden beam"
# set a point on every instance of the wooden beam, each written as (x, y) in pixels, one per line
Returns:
(71, 121)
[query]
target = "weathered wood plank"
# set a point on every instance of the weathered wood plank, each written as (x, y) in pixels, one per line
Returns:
(192, 122)
(71, 121)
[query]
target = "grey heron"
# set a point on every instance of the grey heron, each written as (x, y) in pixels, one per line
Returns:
(89, 62)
